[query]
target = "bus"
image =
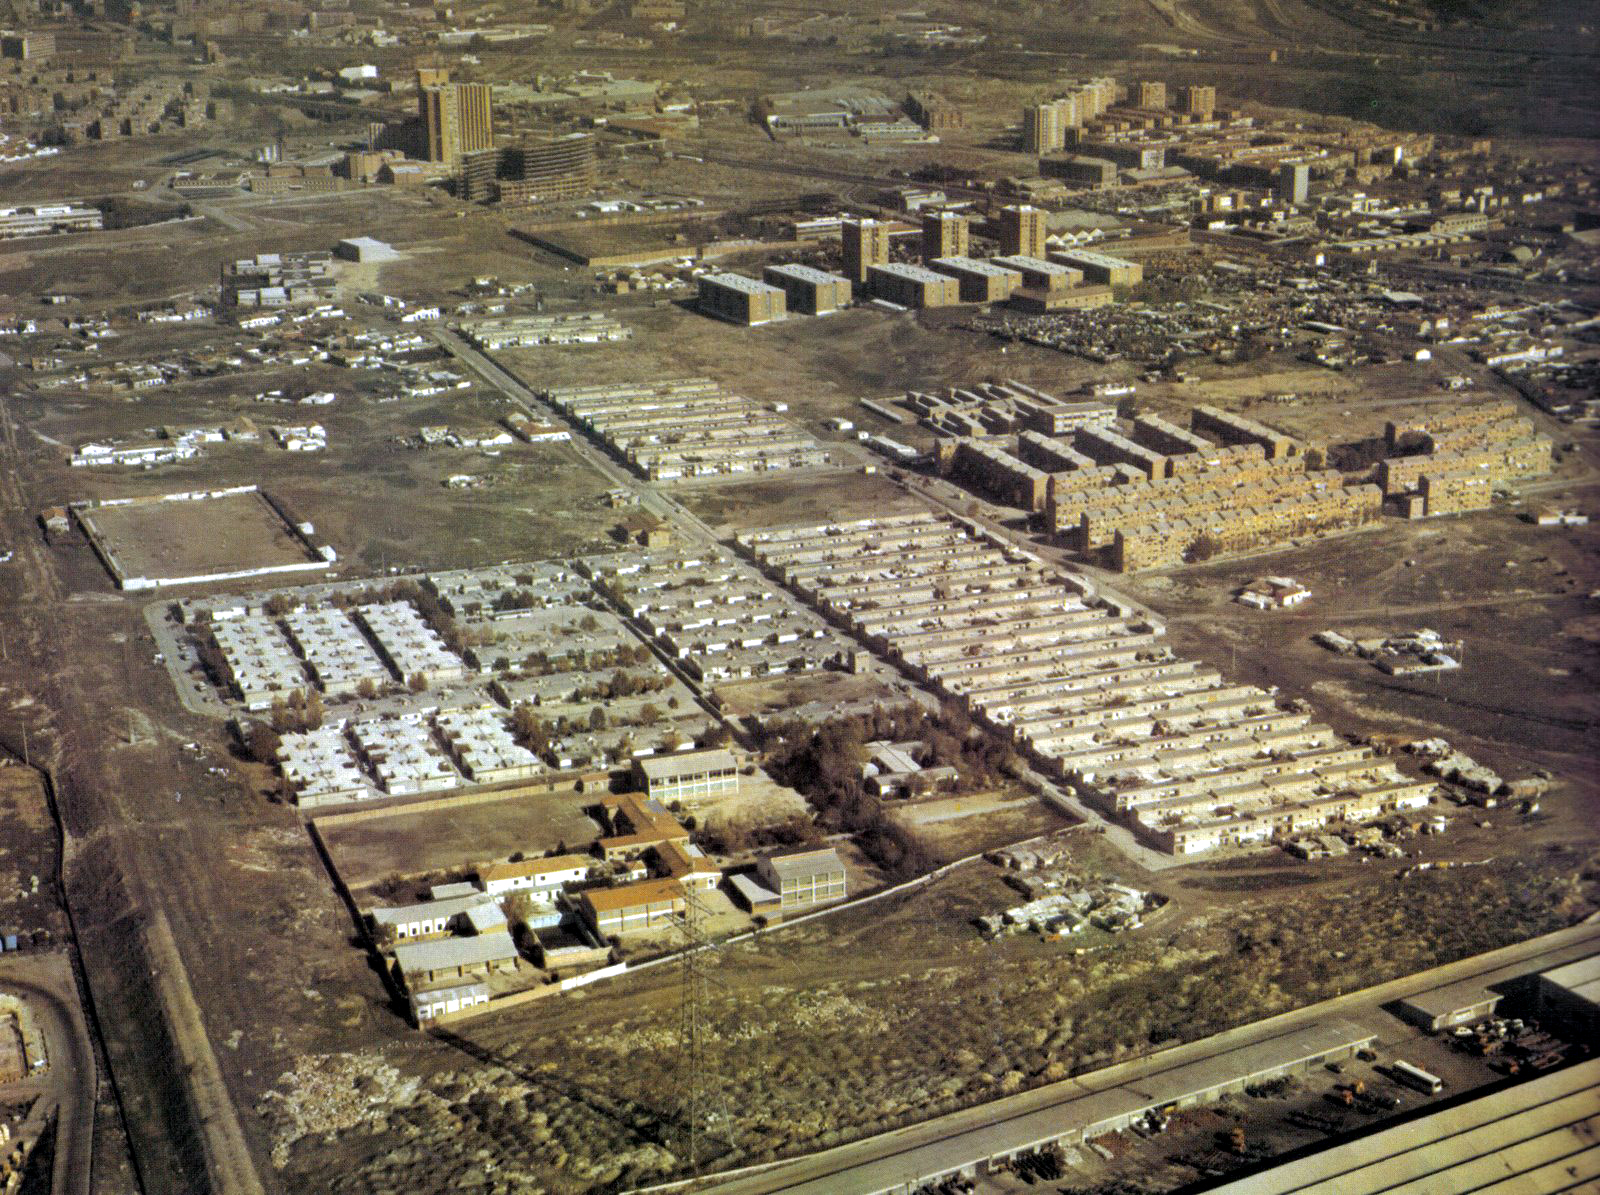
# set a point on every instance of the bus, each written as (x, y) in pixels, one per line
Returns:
(1415, 1076)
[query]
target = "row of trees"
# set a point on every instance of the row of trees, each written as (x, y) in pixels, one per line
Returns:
(538, 734)
(949, 739)
(623, 655)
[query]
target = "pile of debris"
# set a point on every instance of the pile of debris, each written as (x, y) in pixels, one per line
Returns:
(1484, 783)
(1404, 654)
(1061, 902)
(1032, 855)
(330, 1093)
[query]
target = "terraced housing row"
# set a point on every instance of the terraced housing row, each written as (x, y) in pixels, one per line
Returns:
(1087, 688)
(687, 427)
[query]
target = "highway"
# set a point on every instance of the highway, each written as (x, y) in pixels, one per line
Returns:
(46, 986)
(895, 1160)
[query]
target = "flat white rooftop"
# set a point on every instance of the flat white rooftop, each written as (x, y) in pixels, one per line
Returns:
(1035, 265)
(749, 286)
(801, 273)
(975, 265)
(1090, 257)
(910, 272)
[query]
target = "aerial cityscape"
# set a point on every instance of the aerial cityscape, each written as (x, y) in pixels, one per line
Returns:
(685, 596)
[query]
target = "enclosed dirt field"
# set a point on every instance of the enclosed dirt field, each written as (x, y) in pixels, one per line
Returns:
(163, 540)
(455, 840)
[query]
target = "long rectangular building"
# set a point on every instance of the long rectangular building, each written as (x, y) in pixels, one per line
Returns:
(980, 281)
(686, 428)
(912, 286)
(1101, 268)
(741, 300)
(810, 291)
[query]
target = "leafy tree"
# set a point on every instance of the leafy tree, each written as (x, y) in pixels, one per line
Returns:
(518, 907)
(261, 742)
(313, 712)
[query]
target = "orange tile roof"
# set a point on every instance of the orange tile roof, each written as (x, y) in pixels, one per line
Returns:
(628, 896)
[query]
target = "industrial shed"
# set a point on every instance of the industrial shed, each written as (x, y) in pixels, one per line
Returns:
(1570, 995)
(1209, 1079)
(1535, 1136)
(439, 1002)
(421, 963)
(1079, 1118)
(1454, 1004)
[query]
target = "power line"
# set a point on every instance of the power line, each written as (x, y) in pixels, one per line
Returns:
(699, 1114)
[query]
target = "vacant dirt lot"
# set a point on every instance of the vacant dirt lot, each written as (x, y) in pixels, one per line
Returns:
(27, 853)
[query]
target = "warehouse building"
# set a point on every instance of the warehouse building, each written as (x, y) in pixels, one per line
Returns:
(433, 1003)
(423, 963)
(980, 281)
(808, 290)
(45, 219)
(760, 900)
(912, 286)
(365, 249)
(429, 919)
(1037, 301)
(1449, 1006)
(1536, 1136)
(1569, 996)
(741, 300)
(1097, 173)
